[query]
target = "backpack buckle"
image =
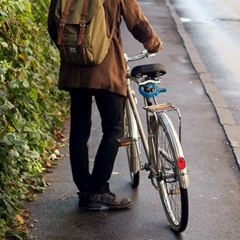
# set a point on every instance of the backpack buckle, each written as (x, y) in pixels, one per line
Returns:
(62, 23)
(83, 23)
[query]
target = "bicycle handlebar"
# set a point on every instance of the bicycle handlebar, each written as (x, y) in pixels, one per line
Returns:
(142, 55)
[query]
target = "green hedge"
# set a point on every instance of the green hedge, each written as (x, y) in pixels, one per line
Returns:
(31, 107)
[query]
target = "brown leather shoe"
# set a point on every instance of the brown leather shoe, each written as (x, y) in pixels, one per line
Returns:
(107, 201)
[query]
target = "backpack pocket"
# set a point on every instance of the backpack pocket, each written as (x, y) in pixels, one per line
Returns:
(70, 52)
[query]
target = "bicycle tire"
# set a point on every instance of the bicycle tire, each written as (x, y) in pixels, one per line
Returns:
(130, 130)
(174, 198)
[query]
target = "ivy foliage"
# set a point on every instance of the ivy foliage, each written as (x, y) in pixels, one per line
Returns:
(31, 107)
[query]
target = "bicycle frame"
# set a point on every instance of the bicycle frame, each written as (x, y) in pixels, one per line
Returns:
(137, 118)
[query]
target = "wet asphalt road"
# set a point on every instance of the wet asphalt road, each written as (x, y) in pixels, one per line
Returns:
(214, 193)
(214, 27)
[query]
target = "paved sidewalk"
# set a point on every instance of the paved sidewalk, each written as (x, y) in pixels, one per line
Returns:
(214, 195)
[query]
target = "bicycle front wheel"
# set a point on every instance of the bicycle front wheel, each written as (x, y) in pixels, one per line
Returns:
(168, 150)
(133, 151)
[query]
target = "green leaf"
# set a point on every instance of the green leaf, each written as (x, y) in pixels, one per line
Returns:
(8, 206)
(13, 84)
(26, 84)
(33, 94)
(2, 13)
(4, 44)
(10, 137)
(9, 105)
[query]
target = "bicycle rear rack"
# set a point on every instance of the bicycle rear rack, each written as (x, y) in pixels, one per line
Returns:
(165, 107)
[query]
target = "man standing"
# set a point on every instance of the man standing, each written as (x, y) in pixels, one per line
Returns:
(107, 83)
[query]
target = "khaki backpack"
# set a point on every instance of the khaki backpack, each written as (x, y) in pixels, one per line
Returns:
(82, 31)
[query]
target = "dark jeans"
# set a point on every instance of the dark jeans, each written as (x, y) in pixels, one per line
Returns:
(110, 106)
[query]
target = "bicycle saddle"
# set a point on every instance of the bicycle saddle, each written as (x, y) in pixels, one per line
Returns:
(151, 70)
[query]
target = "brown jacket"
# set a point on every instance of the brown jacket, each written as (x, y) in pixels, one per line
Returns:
(111, 73)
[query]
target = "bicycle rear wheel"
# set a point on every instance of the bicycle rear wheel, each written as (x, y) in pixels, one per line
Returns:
(133, 151)
(168, 150)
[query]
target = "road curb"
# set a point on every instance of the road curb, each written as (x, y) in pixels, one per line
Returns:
(226, 119)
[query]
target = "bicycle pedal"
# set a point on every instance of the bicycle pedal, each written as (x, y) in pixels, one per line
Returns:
(126, 141)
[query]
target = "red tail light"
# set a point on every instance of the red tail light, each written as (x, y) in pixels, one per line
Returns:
(181, 163)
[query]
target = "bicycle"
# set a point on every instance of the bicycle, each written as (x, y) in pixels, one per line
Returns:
(165, 160)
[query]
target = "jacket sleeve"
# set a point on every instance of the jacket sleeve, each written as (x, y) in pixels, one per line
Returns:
(52, 30)
(139, 26)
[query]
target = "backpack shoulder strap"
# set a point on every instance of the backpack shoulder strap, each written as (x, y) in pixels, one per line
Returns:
(63, 21)
(83, 22)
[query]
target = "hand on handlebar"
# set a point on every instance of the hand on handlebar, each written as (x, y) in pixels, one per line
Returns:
(148, 54)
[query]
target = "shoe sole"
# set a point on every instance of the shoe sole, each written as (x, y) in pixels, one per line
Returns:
(104, 207)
